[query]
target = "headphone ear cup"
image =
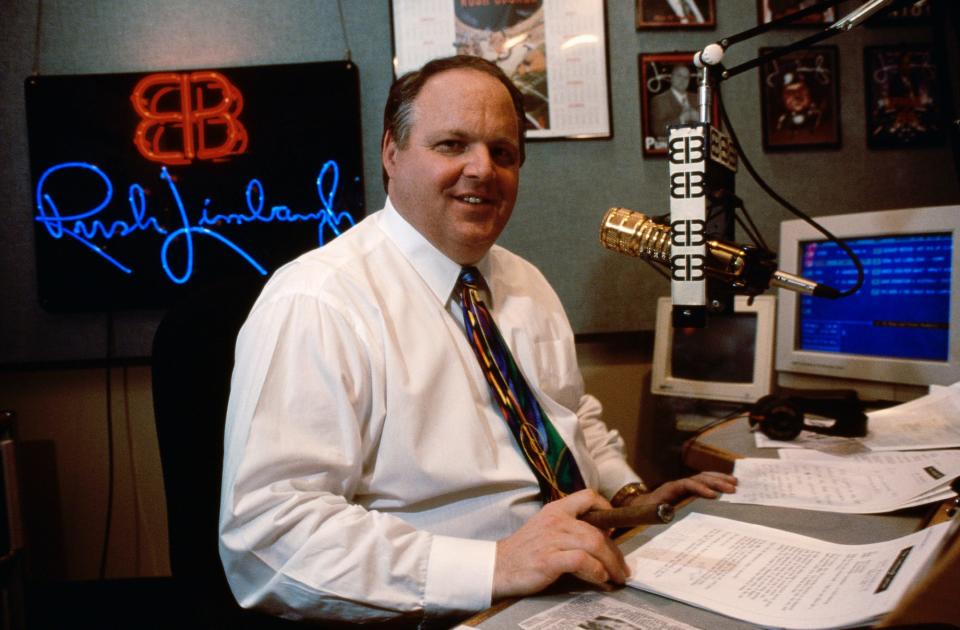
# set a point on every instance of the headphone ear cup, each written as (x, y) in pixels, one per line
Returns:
(777, 418)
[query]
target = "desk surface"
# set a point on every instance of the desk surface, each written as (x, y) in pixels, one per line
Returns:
(718, 447)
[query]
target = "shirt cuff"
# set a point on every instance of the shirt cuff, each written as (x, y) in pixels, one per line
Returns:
(614, 474)
(459, 575)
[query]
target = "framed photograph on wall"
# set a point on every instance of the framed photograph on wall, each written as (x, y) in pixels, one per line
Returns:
(917, 13)
(668, 96)
(800, 100)
(555, 53)
(770, 10)
(902, 86)
(676, 14)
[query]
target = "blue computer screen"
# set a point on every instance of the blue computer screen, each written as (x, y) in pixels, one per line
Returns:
(903, 308)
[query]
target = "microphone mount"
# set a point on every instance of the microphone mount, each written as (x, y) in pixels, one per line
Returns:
(711, 57)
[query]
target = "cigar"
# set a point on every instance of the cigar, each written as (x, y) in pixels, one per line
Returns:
(629, 516)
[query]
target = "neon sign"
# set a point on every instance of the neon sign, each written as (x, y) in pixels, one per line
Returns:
(165, 182)
(85, 226)
(163, 102)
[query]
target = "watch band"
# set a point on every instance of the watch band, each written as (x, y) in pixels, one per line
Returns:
(630, 490)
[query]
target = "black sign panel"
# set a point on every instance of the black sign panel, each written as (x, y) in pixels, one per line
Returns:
(146, 184)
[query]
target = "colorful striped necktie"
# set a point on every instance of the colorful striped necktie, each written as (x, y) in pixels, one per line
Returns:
(548, 456)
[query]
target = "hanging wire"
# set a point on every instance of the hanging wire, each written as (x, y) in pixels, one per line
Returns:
(786, 204)
(343, 30)
(108, 517)
(37, 39)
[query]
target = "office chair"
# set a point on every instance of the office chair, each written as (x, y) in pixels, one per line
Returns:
(192, 363)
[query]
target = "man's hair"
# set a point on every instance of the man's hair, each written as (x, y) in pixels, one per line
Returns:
(398, 112)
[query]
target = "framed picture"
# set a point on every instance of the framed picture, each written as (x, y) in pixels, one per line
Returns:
(668, 96)
(676, 14)
(902, 85)
(800, 99)
(557, 58)
(916, 13)
(770, 10)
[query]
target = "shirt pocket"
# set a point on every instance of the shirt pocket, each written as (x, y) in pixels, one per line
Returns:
(557, 375)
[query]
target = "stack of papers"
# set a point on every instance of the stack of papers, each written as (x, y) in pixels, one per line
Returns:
(776, 578)
(857, 485)
(932, 421)
(902, 462)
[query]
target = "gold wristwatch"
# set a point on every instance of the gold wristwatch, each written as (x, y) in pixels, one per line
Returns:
(630, 490)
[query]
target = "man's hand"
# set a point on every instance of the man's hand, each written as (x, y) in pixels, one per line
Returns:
(705, 484)
(555, 542)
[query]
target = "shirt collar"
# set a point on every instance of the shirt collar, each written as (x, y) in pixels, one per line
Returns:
(437, 270)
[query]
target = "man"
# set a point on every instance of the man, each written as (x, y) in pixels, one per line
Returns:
(368, 474)
(676, 105)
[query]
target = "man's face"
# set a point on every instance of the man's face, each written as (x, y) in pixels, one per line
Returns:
(680, 78)
(456, 180)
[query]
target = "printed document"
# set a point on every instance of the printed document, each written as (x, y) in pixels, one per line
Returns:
(780, 579)
(932, 421)
(841, 486)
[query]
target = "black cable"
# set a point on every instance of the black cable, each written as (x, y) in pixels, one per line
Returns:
(109, 516)
(37, 39)
(786, 204)
(343, 30)
(753, 231)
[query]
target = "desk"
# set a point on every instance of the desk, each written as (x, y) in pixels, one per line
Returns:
(717, 449)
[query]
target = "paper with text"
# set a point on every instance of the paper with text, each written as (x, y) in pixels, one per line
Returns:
(840, 486)
(776, 578)
(929, 422)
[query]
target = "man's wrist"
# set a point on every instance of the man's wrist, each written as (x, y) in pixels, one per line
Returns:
(626, 493)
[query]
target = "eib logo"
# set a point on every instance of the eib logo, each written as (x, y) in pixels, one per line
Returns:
(188, 116)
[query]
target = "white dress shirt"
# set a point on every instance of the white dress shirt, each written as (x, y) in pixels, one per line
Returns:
(367, 473)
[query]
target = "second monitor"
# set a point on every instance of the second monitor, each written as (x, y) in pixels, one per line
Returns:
(731, 359)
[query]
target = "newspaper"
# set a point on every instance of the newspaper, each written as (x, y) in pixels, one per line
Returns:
(779, 579)
(595, 611)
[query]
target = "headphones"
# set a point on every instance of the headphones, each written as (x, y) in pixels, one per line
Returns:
(780, 416)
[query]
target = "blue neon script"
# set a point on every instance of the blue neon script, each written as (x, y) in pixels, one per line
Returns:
(84, 226)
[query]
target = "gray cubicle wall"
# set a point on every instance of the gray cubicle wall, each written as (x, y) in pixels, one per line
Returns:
(567, 185)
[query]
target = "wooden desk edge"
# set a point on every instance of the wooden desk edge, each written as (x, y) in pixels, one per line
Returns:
(702, 457)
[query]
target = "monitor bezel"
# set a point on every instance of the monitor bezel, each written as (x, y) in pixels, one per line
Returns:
(922, 220)
(663, 383)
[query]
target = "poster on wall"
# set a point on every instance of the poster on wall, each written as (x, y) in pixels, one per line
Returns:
(148, 184)
(554, 51)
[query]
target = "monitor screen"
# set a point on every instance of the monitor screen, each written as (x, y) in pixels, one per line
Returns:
(730, 359)
(897, 327)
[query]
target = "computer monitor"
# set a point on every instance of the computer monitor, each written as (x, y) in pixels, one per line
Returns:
(731, 359)
(902, 326)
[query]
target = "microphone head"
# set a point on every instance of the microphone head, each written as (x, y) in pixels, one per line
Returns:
(632, 233)
(711, 55)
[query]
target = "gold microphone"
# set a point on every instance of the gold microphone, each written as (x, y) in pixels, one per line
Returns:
(743, 267)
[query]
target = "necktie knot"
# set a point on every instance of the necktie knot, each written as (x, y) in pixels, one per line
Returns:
(472, 277)
(472, 280)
